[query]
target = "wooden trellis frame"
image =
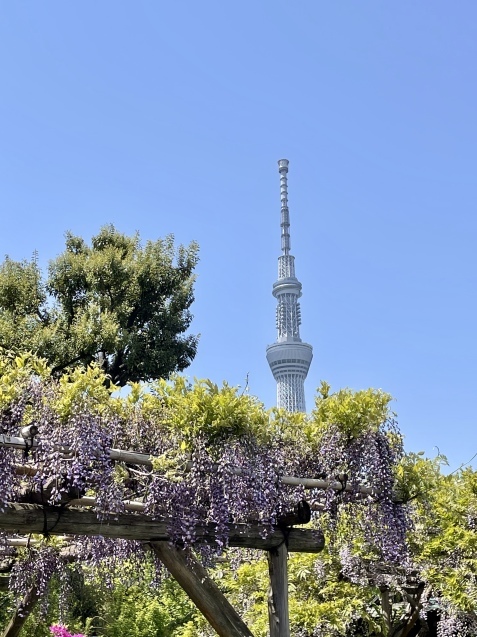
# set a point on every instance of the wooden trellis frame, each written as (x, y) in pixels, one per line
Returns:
(33, 518)
(74, 518)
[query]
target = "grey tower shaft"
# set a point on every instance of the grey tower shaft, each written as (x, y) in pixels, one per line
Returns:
(289, 358)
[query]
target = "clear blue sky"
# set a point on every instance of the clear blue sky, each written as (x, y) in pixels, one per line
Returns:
(169, 117)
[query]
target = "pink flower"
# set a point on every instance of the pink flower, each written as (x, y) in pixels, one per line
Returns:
(61, 631)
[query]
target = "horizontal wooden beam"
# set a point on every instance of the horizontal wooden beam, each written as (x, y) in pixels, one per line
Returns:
(88, 501)
(33, 518)
(22, 541)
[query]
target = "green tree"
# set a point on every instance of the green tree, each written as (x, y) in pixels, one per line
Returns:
(115, 302)
(443, 541)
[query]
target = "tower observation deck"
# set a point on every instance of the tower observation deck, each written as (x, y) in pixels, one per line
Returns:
(289, 358)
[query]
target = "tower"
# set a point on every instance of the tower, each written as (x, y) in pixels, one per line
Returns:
(289, 358)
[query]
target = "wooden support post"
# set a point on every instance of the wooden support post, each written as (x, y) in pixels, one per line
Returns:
(386, 607)
(21, 613)
(278, 594)
(202, 590)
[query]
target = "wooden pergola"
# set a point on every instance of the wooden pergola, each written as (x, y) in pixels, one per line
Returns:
(75, 517)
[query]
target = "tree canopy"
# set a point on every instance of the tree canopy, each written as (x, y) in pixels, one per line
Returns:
(118, 303)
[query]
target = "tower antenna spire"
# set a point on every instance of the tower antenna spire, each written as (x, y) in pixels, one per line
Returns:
(289, 358)
(285, 215)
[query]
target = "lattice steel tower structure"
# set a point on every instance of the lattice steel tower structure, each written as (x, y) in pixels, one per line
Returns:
(289, 358)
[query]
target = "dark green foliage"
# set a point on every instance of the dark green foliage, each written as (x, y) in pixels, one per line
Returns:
(114, 302)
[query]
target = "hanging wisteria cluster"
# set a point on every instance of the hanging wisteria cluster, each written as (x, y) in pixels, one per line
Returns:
(367, 460)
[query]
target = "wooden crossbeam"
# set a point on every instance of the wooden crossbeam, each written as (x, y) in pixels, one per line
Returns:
(34, 518)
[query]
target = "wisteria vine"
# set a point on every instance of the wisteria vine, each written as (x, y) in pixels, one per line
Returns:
(197, 478)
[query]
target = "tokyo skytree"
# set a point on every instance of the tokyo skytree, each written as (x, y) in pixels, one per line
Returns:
(289, 358)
